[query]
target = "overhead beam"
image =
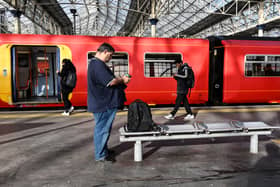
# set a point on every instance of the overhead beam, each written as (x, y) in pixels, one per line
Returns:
(225, 12)
(265, 15)
(135, 20)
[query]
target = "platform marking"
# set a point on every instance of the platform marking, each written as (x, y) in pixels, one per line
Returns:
(159, 111)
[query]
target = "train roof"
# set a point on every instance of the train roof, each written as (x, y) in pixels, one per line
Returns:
(67, 39)
(243, 38)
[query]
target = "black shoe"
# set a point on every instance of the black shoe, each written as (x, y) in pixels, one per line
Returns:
(106, 160)
(110, 159)
(111, 152)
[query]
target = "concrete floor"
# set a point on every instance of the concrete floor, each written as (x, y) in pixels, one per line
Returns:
(43, 148)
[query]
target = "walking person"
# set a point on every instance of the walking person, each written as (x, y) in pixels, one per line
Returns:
(67, 68)
(103, 99)
(182, 91)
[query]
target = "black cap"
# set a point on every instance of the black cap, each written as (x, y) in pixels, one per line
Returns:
(178, 61)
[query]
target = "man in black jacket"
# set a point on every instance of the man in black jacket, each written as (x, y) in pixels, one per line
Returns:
(182, 91)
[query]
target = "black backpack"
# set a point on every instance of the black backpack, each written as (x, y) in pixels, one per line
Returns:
(71, 79)
(190, 79)
(139, 117)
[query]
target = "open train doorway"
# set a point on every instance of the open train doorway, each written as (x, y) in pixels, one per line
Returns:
(34, 77)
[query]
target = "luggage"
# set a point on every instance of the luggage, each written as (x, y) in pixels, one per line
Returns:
(190, 78)
(139, 118)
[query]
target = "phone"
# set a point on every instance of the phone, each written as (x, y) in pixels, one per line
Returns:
(128, 75)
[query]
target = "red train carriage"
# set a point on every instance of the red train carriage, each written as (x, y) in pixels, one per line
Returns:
(245, 71)
(28, 65)
(227, 70)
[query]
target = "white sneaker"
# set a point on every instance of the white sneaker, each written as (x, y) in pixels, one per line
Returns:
(66, 113)
(71, 109)
(189, 116)
(170, 116)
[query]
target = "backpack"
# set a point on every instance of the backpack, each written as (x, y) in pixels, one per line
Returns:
(139, 117)
(71, 79)
(190, 78)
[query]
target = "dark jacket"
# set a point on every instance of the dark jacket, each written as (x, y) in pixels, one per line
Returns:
(66, 68)
(122, 96)
(181, 78)
(101, 96)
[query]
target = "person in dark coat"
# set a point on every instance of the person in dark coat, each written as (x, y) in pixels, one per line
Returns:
(67, 66)
(182, 91)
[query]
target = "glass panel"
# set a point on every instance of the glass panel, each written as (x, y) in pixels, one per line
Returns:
(160, 64)
(35, 72)
(273, 59)
(119, 64)
(255, 58)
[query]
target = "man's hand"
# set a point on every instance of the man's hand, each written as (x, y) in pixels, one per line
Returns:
(126, 79)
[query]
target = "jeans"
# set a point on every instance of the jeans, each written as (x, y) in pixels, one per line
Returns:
(179, 99)
(102, 130)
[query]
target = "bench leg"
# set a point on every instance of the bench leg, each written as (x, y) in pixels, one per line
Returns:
(254, 144)
(138, 151)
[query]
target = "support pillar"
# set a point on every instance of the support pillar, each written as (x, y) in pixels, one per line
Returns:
(261, 19)
(153, 19)
(138, 151)
(74, 11)
(17, 14)
(153, 22)
(254, 144)
(260, 30)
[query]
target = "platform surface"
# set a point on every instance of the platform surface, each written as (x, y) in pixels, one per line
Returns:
(45, 149)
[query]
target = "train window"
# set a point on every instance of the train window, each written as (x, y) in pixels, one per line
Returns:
(255, 58)
(160, 64)
(118, 64)
(262, 65)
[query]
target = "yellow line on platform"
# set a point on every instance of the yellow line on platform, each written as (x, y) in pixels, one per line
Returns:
(39, 115)
(43, 114)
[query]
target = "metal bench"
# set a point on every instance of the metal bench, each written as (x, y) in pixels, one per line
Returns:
(198, 130)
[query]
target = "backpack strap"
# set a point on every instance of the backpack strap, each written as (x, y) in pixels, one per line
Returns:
(125, 128)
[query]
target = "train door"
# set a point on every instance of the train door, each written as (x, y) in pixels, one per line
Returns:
(34, 74)
(216, 71)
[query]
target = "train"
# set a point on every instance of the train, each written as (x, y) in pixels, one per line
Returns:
(228, 70)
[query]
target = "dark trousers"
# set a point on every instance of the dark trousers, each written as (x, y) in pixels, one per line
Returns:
(179, 99)
(67, 102)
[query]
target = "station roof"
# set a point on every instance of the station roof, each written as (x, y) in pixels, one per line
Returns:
(176, 18)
